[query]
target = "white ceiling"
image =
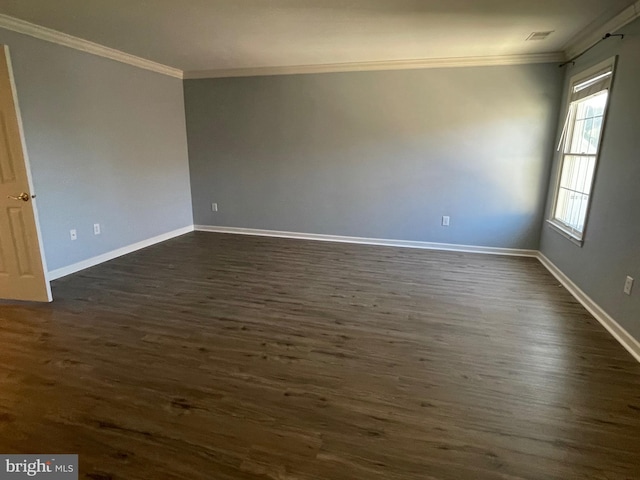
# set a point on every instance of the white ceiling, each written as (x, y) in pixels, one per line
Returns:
(198, 35)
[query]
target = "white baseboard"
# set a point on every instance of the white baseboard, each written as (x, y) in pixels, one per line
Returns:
(614, 328)
(105, 257)
(370, 241)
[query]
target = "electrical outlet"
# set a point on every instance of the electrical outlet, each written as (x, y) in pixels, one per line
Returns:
(96, 229)
(214, 207)
(445, 221)
(73, 234)
(628, 285)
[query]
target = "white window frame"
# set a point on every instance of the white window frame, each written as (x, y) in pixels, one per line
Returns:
(588, 77)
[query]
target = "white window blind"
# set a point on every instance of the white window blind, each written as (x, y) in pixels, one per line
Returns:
(599, 82)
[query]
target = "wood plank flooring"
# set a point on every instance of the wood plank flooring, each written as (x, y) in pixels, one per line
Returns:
(214, 356)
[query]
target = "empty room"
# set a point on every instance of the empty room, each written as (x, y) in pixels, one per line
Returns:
(320, 239)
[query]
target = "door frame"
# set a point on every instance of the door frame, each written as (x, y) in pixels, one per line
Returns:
(27, 164)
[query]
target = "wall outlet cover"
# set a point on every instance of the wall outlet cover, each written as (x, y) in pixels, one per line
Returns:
(628, 285)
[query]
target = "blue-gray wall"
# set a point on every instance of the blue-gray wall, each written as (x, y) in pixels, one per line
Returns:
(378, 154)
(611, 249)
(107, 144)
(370, 154)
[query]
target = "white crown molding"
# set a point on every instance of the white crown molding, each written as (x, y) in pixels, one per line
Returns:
(53, 36)
(369, 241)
(580, 42)
(614, 328)
(383, 65)
(105, 257)
(590, 36)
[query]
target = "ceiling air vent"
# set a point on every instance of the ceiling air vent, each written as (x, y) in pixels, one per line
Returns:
(539, 35)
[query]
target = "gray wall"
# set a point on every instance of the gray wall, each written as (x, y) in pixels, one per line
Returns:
(611, 249)
(107, 144)
(378, 154)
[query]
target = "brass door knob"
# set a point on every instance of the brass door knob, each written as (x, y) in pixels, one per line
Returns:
(24, 196)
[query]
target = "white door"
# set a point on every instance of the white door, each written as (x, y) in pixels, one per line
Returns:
(22, 265)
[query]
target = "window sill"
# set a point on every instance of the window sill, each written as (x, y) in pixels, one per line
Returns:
(558, 228)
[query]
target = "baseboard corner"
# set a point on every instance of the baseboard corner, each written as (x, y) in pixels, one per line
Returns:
(628, 341)
(105, 257)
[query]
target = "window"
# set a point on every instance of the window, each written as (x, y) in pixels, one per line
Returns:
(580, 146)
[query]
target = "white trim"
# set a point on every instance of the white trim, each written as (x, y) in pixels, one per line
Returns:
(561, 154)
(27, 166)
(559, 229)
(369, 241)
(53, 36)
(590, 35)
(577, 78)
(105, 257)
(382, 65)
(579, 43)
(614, 328)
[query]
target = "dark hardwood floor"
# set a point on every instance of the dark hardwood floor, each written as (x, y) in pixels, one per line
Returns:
(220, 357)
